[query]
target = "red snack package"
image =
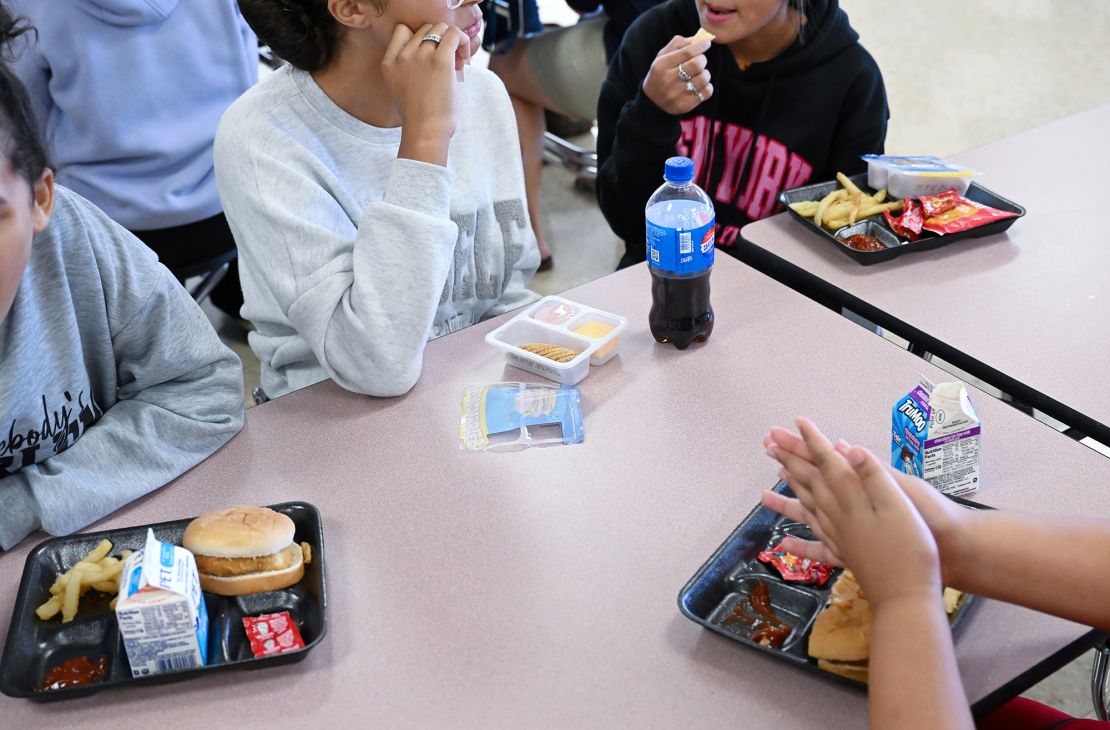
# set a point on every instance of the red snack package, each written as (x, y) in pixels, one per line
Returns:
(965, 215)
(936, 204)
(909, 224)
(795, 568)
(272, 633)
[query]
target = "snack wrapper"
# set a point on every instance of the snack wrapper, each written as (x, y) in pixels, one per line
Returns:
(518, 415)
(272, 633)
(936, 204)
(909, 223)
(964, 215)
(796, 568)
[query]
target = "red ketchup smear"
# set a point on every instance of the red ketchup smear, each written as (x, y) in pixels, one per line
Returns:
(767, 626)
(75, 673)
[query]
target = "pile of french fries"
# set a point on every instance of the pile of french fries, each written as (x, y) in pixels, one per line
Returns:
(97, 571)
(845, 206)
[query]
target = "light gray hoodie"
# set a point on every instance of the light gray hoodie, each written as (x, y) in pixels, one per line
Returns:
(112, 380)
(352, 259)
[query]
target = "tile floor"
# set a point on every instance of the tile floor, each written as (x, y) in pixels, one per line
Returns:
(958, 75)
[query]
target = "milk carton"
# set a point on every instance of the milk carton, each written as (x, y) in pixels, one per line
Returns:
(935, 436)
(161, 612)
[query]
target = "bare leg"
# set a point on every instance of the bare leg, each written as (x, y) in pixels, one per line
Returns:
(529, 102)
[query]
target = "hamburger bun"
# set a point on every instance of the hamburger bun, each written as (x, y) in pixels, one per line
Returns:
(841, 636)
(244, 550)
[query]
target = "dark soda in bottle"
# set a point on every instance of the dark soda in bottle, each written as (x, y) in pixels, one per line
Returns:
(680, 249)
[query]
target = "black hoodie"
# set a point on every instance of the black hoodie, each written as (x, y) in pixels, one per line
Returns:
(812, 111)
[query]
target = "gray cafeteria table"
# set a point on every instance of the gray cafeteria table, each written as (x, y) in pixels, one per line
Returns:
(538, 588)
(1028, 310)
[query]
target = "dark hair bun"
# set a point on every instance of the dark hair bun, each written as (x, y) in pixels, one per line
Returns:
(302, 32)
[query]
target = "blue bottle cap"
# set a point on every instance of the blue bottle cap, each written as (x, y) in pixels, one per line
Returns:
(679, 170)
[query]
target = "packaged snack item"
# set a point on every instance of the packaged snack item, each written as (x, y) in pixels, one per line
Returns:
(909, 223)
(160, 610)
(935, 433)
(932, 205)
(559, 339)
(795, 568)
(520, 415)
(963, 215)
(272, 633)
(879, 166)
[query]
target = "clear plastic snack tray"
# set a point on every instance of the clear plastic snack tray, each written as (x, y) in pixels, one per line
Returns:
(564, 339)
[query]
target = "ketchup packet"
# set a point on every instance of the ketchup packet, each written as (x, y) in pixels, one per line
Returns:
(936, 204)
(963, 216)
(909, 223)
(272, 633)
(796, 568)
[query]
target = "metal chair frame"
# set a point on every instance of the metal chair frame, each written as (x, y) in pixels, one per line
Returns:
(1098, 680)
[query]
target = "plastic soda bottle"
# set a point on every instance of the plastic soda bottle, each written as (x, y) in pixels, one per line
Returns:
(680, 240)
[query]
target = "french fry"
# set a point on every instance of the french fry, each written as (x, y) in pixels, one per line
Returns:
(835, 224)
(99, 552)
(96, 571)
(879, 196)
(848, 184)
(306, 552)
(823, 206)
(806, 208)
(856, 208)
(70, 596)
(875, 209)
(49, 609)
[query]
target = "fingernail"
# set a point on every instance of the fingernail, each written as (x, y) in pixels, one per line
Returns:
(855, 457)
(783, 475)
(773, 451)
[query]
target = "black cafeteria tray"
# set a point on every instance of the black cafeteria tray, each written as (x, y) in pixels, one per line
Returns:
(728, 575)
(928, 241)
(34, 646)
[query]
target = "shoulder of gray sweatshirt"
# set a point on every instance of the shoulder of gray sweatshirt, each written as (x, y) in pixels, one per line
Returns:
(352, 259)
(113, 380)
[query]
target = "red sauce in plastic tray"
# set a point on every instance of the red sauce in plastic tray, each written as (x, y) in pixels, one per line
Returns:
(75, 673)
(861, 242)
(769, 629)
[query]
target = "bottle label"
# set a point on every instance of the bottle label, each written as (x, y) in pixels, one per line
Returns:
(680, 251)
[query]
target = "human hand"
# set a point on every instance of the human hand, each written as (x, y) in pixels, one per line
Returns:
(948, 522)
(863, 517)
(667, 87)
(420, 75)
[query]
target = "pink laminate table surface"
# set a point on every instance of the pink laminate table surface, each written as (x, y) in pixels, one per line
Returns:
(1032, 304)
(538, 588)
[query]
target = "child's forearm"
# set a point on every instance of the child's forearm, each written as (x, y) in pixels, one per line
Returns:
(1049, 564)
(914, 681)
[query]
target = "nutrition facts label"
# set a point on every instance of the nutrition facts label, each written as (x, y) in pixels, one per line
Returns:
(953, 466)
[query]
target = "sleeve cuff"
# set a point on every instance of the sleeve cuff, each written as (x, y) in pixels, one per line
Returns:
(20, 516)
(421, 187)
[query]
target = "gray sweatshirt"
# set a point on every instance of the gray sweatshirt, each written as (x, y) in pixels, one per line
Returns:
(352, 259)
(112, 380)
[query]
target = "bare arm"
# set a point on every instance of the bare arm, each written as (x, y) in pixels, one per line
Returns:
(913, 678)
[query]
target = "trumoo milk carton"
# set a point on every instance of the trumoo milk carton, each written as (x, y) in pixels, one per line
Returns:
(935, 435)
(161, 612)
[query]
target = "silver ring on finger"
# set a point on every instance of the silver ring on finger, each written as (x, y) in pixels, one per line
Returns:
(698, 94)
(682, 73)
(433, 37)
(691, 88)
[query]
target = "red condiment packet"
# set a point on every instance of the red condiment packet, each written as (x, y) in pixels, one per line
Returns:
(965, 215)
(936, 204)
(796, 568)
(272, 633)
(909, 223)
